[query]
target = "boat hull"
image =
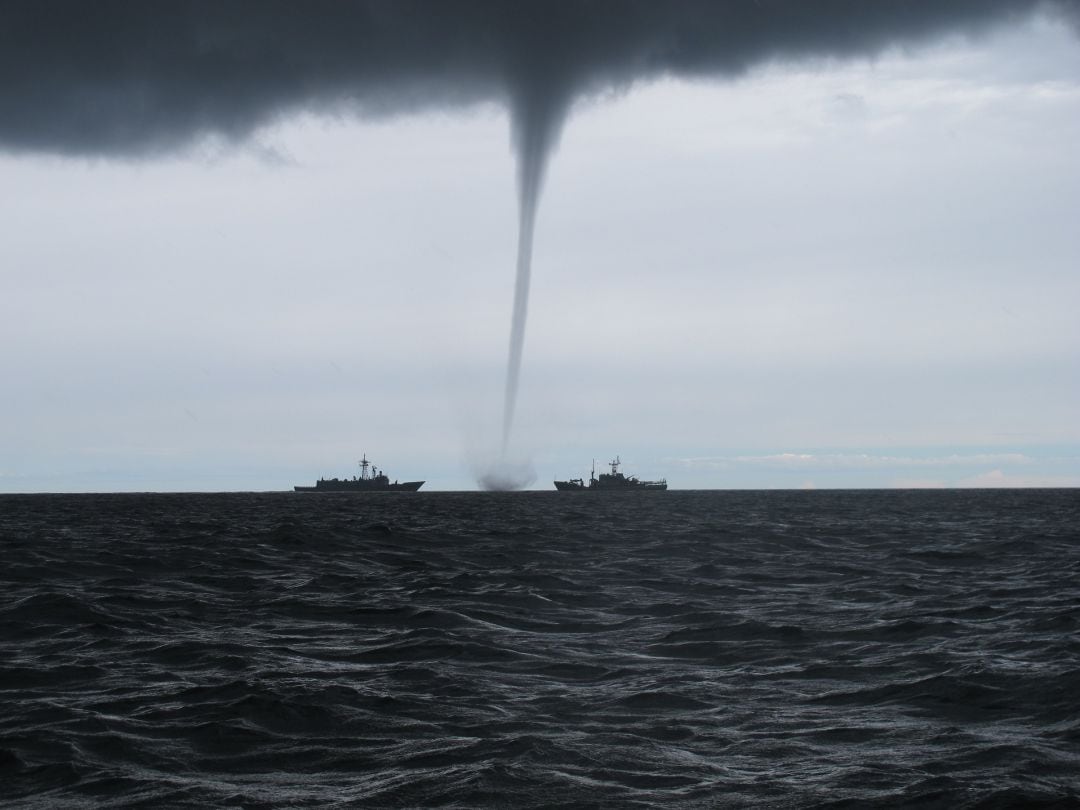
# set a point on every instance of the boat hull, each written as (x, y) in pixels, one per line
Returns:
(638, 486)
(361, 486)
(570, 486)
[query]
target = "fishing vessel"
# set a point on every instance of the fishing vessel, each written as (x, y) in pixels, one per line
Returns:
(613, 481)
(370, 480)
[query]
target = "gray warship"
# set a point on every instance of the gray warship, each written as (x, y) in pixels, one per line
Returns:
(374, 481)
(613, 481)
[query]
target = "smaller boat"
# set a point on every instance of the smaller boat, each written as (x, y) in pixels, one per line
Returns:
(374, 481)
(614, 481)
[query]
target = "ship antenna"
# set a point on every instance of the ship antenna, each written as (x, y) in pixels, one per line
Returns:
(363, 467)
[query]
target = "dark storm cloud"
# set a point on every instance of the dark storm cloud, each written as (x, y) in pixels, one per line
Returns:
(111, 77)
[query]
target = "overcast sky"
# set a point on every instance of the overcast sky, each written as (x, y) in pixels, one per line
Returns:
(855, 271)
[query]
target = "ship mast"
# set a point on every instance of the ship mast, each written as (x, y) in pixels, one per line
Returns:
(364, 463)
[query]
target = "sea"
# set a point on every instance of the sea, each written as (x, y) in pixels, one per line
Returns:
(541, 649)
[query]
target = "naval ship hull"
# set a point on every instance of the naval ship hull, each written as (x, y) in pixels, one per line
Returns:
(570, 486)
(640, 486)
(360, 486)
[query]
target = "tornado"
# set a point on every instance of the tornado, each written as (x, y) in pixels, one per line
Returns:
(536, 121)
(536, 125)
(532, 167)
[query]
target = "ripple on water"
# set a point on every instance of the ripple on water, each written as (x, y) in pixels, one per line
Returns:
(698, 649)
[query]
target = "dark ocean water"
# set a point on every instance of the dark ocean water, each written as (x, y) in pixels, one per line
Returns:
(697, 649)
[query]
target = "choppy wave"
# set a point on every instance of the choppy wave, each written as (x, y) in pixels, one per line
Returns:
(539, 649)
